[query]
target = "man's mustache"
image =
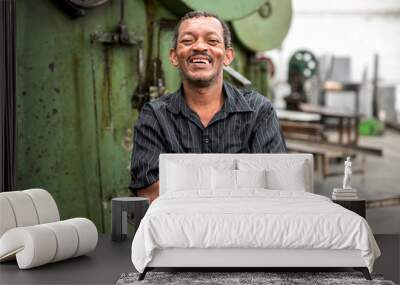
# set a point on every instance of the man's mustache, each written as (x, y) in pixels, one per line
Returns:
(201, 53)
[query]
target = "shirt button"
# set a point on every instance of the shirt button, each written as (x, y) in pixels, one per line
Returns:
(206, 140)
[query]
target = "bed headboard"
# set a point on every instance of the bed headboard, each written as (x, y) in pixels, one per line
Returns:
(276, 161)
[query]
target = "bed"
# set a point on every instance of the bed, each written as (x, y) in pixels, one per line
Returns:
(246, 211)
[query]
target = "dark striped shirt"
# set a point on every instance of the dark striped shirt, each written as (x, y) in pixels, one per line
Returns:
(246, 123)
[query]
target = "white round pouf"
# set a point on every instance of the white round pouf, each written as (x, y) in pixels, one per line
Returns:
(87, 233)
(33, 246)
(45, 205)
(7, 215)
(23, 208)
(67, 240)
(30, 230)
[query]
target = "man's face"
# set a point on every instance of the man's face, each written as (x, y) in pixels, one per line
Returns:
(200, 53)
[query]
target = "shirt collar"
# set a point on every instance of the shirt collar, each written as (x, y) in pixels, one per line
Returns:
(234, 101)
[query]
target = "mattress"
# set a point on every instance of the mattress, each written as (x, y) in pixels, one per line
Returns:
(250, 219)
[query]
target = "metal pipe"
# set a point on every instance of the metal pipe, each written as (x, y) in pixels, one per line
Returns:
(122, 10)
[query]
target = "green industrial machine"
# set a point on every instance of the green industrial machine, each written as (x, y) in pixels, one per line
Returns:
(303, 65)
(84, 69)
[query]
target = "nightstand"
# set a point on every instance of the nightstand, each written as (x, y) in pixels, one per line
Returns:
(126, 210)
(357, 206)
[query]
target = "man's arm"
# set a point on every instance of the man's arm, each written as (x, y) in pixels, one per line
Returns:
(147, 146)
(267, 136)
(151, 192)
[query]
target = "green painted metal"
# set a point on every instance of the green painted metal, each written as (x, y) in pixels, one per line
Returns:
(74, 113)
(303, 63)
(226, 9)
(73, 106)
(257, 72)
(265, 29)
(164, 22)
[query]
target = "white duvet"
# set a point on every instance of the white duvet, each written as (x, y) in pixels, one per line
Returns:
(252, 218)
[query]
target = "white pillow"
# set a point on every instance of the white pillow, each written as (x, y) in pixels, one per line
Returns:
(293, 180)
(183, 177)
(281, 174)
(223, 179)
(200, 160)
(251, 178)
(227, 179)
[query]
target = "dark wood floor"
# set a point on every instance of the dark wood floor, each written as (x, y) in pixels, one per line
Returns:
(389, 262)
(106, 264)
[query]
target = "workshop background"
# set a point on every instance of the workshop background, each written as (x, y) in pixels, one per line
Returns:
(84, 69)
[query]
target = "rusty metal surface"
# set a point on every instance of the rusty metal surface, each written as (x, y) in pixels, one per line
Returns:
(73, 106)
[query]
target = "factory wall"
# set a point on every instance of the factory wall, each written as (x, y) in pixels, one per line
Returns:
(355, 29)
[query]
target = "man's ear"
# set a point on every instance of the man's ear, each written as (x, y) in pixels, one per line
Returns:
(229, 56)
(173, 58)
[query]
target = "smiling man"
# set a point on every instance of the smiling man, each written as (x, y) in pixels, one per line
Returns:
(206, 115)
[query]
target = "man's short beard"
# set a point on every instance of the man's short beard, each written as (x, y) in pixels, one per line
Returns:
(198, 82)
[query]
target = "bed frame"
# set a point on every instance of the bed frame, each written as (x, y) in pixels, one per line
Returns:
(243, 259)
(250, 258)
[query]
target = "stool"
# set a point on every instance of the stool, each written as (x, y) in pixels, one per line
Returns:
(124, 209)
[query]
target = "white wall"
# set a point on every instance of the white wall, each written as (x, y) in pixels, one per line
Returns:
(356, 28)
(353, 28)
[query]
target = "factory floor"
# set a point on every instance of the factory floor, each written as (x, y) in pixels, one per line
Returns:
(381, 180)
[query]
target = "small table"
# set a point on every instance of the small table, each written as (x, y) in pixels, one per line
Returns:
(124, 210)
(339, 114)
(298, 116)
(358, 206)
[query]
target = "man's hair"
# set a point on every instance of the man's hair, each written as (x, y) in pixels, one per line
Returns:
(198, 14)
